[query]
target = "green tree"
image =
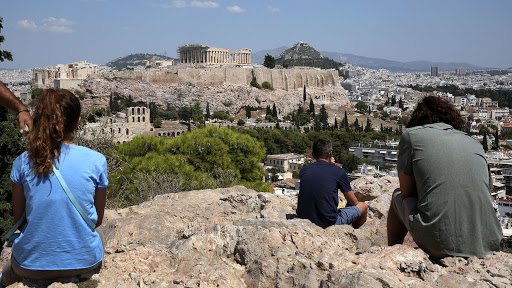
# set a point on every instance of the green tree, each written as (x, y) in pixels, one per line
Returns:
(323, 118)
(269, 62)
(268, 111)
(304, 95)
(220, 115)
(335, 124)
(361, 107)
(267, 85)
(496, 143)
(248, 112)
(311, 107)
(255, 83)
(11, 145)
(356, 125)
(240, 122)
(157, 122)
(345, 122)
(207, 115)
(4, 55)
(484, 143)
(274, 110)
(368, 127)
(393, 101)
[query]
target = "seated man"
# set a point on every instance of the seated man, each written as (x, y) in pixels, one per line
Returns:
(444, 198)
(318, 195)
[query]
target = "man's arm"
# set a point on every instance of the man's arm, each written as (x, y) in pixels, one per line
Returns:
(407, 185)
(351, 198)
(9, 101)
(100, 200)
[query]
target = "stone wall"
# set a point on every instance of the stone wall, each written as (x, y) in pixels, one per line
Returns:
(283, 79)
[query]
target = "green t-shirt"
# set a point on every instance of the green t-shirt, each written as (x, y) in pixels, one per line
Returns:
(455, 214)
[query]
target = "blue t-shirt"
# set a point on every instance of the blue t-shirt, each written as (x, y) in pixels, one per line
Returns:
(318, 194)
(56, 237)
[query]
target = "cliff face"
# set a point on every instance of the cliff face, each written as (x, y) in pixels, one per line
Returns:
(284, 79)
(238, 96)
(237, 237)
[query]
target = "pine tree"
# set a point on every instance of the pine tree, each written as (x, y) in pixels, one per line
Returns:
(324, 118)
(274, 110)
(304, 95)
(356, 125)
(248, 112)
(345, 121)
(268, 111)
(381, 128)
(311, 107)
(393, 101)
(335, 124)
(207, 115)
(484, 143)
(368, 127)
(496, 143)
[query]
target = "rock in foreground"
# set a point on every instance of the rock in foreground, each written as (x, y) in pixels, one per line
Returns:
(236, 237)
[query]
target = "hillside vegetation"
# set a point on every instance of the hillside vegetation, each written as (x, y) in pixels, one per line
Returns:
(134, 60)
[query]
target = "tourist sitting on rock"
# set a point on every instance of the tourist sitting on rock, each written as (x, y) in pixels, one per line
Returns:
(444, 199)
(318, 195)
(57, 241)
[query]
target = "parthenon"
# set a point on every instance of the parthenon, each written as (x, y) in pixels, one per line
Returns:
(203, 54)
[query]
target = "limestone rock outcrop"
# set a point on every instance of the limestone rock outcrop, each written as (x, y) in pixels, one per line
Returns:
(236, 237)
(227, 97)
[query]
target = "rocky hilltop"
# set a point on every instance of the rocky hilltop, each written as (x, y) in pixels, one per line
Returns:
(300, 50)
(237, 237)
(226, 97)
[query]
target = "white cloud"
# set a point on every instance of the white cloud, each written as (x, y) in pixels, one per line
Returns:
(27, 24)
(204, 4)
(50, 24)
(236, 9)
(179, 4)
(158, 5)
(273, 9)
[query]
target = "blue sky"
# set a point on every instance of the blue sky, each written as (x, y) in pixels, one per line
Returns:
(46, 33)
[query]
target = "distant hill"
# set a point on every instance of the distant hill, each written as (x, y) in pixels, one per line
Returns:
(375, 63)
(303, 54)
(135, 60)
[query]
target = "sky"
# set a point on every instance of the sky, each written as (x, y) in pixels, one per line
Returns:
(47, 33)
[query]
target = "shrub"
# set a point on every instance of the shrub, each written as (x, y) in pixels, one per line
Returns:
(267, 85)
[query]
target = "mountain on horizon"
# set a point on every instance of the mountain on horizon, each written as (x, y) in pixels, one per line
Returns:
(374, 63)
(134, 60)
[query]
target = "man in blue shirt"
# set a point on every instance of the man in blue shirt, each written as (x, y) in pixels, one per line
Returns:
(318, 195)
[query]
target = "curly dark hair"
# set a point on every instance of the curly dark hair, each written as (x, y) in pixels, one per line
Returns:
(434, 109)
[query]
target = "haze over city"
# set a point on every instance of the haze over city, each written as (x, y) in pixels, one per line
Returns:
(51, 32)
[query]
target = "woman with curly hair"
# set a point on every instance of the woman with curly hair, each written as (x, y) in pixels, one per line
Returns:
(56, 241)
(444, 199)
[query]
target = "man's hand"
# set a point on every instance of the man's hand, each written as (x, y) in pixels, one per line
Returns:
(25, 120)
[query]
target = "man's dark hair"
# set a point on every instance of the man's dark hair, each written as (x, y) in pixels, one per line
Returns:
(321, 148)
(434, 109)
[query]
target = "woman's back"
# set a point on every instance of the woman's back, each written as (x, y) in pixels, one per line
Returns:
(55, 236)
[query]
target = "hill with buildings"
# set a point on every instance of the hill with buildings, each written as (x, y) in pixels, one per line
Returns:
(374, 63)
(138, 59)
(243, 238)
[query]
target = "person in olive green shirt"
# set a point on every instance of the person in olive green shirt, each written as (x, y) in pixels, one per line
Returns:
(444, 198)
